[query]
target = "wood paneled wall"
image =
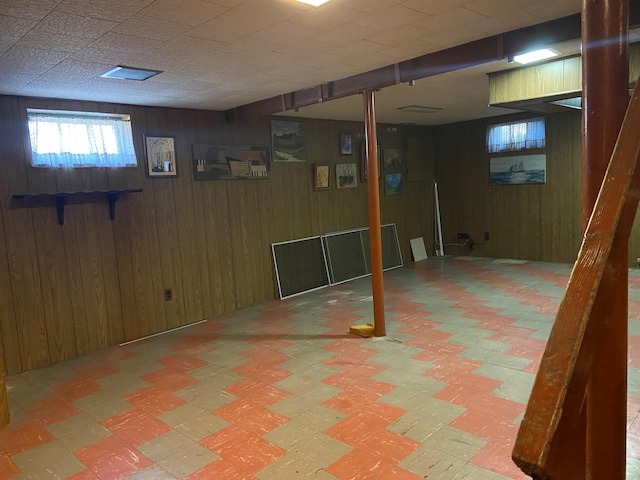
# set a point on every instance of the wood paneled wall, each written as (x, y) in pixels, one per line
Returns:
(72, 289)
(533, 222)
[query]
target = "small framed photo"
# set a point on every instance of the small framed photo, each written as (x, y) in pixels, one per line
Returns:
(160, 155)
(346, 175)
(321, 177)
(346, 144)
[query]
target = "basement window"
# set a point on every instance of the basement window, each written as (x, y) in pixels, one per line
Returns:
(65, 139)
(515, 136)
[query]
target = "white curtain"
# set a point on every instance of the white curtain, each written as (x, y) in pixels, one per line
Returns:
(521, 135)
(77, 141)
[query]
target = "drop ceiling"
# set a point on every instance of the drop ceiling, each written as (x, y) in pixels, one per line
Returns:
(221, 54)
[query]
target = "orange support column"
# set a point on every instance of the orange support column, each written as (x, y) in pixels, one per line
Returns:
(605, 86)
(375, 235)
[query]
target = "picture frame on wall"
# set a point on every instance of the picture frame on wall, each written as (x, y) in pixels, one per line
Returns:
(287, 141)
(346, 144)
(346, 175)
(160, 156)
(321, 177)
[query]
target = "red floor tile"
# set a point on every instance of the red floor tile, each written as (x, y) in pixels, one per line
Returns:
(8, 469)
(360, 464)
(136, 426)
(220, 469)
(257, 391)
(169, 379)
(154, 400)
(23, 436)
(250, 416)
(51, 410)
(181, 361)
(112, 458)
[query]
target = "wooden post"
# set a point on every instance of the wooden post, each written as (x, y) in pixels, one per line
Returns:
(605, 87)
(4, 399)
(375, 234)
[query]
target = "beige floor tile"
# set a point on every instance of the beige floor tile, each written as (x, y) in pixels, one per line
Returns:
(78, 431)
(154, 472)
(166, 445)
(433, 464)
(48, 461)
(320, 417)
(292, 467)
(102, 405)
(188, 461)
(472, 472)
(192, 421)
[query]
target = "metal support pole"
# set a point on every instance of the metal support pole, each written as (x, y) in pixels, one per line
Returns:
(375, 234)
(605, 87)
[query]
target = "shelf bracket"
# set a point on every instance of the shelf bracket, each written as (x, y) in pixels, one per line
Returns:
(60, 203)
(112, 198)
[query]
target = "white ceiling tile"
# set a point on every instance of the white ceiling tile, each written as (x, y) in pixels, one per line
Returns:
(392, 17)
(195, 86)
(313, 46)
(74, 71)
(359, 48)
(331, 15)
(254, 47)
(285, 32)
(400, 36)
(220, 77)
(450, 21)
(495, 7)
(12, 82)
(343, 36)
(12, 28)
(33, 9)
(434, 7)
(118, 42)
(29, 60)
(372, 5)
(554, 9)
(150, 27)
(504, 22)
(193, 12)
(102, 56)
(113, 10)
(221, 30)
(453, 37)
(65, 24)
(53, 41)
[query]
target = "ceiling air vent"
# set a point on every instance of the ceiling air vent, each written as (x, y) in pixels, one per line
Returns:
(129, 73)
(419, 109)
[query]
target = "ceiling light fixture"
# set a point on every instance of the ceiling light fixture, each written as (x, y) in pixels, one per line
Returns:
(129, 73)
(419, 109)
(535, 56)
(315, 3)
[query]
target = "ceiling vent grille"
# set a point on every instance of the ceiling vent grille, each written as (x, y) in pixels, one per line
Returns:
(129, 73)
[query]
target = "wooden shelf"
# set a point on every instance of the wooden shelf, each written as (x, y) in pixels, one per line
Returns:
(60, 198)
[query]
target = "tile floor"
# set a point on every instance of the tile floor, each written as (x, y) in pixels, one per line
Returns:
(281, 391)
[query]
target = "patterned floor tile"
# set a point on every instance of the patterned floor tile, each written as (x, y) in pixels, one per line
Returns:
(282, 390)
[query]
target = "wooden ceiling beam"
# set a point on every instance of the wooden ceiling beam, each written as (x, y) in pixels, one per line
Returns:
(467, 55)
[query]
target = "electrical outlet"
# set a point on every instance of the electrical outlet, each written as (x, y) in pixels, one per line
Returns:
(463, 236)
(168, 295)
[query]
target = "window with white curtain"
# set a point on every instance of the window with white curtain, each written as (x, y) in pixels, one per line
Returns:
(63, 139)
(513, 136)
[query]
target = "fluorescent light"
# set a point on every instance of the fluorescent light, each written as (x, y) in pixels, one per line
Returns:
(315, 3)
(535, 56)
(129, 73)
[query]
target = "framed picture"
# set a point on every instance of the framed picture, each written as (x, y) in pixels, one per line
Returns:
(287, 141)
(393, 183)
(346, 175)
(321, 178)
(364, 174)
(160, 155)
(516, 170)
(346, 144)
